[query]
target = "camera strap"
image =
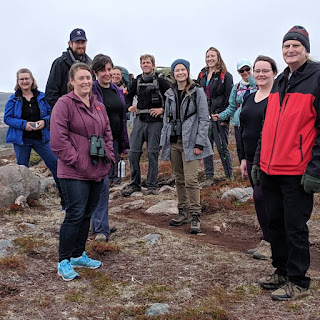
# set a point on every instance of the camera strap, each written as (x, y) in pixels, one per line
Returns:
(194, 98)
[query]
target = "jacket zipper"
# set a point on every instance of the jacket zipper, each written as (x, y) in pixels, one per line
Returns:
(300, 148)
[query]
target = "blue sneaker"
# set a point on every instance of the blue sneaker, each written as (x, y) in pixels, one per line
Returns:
(85, 261)
(66, 271)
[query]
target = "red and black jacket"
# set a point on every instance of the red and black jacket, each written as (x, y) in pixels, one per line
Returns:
(290, 141)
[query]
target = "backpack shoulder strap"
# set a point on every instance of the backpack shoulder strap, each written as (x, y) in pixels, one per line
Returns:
(222, 76)
(194, 99)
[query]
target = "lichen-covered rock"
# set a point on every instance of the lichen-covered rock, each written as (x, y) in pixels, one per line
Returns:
(7, 195)
(241, 194)
(21, 180)
(165, 206)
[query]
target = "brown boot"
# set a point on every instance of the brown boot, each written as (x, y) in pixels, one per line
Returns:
(195, 223)
(181, 218)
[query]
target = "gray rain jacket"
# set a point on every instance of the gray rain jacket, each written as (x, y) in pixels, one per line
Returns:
(194, 129)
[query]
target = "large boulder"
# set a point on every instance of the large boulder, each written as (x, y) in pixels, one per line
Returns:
(7, 195)
(21, 180)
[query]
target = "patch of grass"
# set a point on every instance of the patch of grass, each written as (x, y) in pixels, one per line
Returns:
(15, 208)
(103, 285)
(134, 311)
(241, 292)
(212, 202)
(293, 307)
(102, 248)
(29, 243)
(154, 292)
(34, 158)
(199, 313)
(76, 296)
(165, 169)
(42, 301)
(6, 290)
(12, 263)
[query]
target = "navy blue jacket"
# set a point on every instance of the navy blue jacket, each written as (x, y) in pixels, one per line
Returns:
(12, 117)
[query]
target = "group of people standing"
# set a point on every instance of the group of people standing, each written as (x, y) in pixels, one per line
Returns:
(276, 129)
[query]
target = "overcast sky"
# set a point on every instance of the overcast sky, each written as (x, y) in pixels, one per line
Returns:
(35, 32)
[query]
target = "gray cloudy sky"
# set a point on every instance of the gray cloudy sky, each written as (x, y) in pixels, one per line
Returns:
(35, 32)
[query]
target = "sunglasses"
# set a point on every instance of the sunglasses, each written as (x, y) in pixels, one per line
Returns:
(244, 70)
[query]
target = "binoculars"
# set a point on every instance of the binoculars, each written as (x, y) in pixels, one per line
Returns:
(176, 128)
(97, 149)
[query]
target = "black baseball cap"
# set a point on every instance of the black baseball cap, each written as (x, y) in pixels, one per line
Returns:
(77, 34)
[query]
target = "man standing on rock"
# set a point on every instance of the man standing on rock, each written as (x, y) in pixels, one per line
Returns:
(59, 73)
(147, 125)
(287, 162)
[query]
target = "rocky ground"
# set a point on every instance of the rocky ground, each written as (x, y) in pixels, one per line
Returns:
(205, 276)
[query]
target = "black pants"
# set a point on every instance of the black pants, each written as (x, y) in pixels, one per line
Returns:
(289, 208)
(81, 199)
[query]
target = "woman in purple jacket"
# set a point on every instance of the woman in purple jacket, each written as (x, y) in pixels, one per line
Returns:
(82, 140)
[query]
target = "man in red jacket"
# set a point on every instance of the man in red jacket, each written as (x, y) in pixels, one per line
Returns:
(288, 163)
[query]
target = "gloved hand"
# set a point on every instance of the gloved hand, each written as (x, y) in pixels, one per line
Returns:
(310, 184)
(256, 174)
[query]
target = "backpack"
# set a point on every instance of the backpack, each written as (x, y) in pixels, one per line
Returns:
(222, 76)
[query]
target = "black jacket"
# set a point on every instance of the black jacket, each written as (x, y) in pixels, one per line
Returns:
(58, 78)
(219, 91)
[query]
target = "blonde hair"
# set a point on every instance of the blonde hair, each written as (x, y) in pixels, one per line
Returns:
(221, 66)
(25, 70)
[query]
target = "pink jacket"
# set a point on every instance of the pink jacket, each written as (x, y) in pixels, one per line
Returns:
(72, 124)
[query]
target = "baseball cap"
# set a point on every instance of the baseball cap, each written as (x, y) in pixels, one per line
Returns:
(77, 34)
(243, 62)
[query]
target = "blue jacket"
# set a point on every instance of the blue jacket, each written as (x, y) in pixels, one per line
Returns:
(236, 100)
(12, 117)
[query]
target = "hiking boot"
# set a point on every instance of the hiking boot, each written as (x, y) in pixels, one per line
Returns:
(195, 224)
(289, 291)
(65, 270)
(130, 189)
(100, 237)
(209, 182)
(181, 218)
(273, 281)
(152, 192)
(263, 252)
(251, 251)
(85, 261)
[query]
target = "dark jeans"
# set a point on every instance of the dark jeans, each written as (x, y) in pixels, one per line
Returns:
(220, 136)
(259, 205)
(289, 208)
(100, 216)
(148, 132)
(113, 174)
(81, 198)
(43, 149)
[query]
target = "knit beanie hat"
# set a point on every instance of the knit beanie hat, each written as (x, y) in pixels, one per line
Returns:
(182, 61)
(298, 33)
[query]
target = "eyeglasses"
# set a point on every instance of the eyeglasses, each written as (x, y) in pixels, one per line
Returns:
(244, 70)
(263, 71)
(24, 79)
